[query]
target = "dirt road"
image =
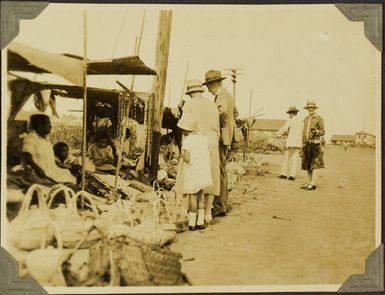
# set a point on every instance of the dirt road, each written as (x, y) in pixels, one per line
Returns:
(277, 233)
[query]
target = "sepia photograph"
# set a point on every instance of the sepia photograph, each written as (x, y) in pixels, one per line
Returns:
(191, 148)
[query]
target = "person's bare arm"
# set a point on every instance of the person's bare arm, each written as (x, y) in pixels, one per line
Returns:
(29, 161)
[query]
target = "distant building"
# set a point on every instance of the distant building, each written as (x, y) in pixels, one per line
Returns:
(364, 138)
(267, 126)
(359, 139)
(343, 139)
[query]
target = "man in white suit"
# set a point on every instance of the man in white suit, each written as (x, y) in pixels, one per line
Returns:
(293, 144)
(225, 103)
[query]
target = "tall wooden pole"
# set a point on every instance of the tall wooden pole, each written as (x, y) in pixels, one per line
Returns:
(84, 144)
(250, 101)
(137, 46)
(184, 83)
(159, 86)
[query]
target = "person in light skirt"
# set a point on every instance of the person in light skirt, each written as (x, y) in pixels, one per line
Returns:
(294, 126)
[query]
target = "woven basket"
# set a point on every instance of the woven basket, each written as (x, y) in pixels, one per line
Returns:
(73, 228)
(31, 228)
(140, 264)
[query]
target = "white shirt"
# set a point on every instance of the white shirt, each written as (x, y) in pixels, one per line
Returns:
(295, 128)
(42, 154)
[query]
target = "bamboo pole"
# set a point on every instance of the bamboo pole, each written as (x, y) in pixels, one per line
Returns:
(84, 144)
(169, 95)
(184, 83)
(250, 101)
(158, 86)
(137, 46)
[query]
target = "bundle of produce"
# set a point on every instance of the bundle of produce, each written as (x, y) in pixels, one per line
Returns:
(119, 260)
(32, 227)
(73, 227)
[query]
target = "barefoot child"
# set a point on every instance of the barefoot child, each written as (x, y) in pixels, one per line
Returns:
(195, 174)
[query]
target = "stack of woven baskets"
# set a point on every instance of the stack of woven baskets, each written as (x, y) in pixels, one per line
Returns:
(125, 240)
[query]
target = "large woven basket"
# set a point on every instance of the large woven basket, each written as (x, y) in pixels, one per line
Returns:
(32, 228)
(141, 264)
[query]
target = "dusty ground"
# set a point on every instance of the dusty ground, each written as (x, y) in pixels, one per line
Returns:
(280, 234)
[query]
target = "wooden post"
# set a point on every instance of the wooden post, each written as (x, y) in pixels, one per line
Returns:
(251, 99)
(84, 144)
(159, 87)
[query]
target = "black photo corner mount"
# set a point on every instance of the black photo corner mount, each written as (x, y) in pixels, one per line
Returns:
(11, 14)
(11, 283)
(372, 16)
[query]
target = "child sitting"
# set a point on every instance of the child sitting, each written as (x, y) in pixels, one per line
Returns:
(63, 158)
(195, 171)
(101, 154)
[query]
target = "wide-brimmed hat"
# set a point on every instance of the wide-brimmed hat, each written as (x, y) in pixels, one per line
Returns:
(311, 104)
(292, 109)
(188, 122)
(193, 85)
(213, 75)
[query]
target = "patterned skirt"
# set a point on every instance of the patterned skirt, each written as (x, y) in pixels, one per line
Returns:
(312, 156)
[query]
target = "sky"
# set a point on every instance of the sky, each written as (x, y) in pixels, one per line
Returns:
(288, 54)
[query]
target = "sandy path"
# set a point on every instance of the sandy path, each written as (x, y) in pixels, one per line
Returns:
(280, 234)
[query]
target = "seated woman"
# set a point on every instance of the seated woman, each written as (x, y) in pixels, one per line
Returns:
(101, 154)
(37, 153)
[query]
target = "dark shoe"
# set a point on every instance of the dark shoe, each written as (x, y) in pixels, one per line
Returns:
(291, 178)
(311, 187)
(219, 214)
(200, 227)
(192, 228)
(282, 176)
(305, 186)
(229, 208)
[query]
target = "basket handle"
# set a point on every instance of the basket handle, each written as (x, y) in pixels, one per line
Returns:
(68, 194)
(86, 196)
(40, 190)
(57, 234)
(159, 201)
(153, 186)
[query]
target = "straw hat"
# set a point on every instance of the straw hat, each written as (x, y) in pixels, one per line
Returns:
(193, 85)
(292, 109)
(188, 122)
(311, 104)
(212, 76)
